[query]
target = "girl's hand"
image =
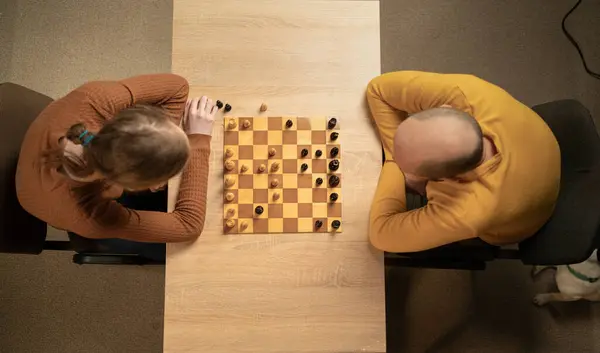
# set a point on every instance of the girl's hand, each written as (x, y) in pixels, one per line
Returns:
(199, 116)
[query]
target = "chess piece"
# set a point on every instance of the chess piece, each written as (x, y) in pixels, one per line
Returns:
(304, 152)
(262, 168)
(318, 153)
(227, 108)
(263, 107)
(229, 165)
(334, 165)
(318, 224)
(272, 152)
(229, 181)
(331, 124)
(334, 136)
(259, 210)
(243, 168)
(336, 224)
(334, 152)
(304, 167)
(228, 153)
(219, 104)
(231, 124)
(229, 196)
(333, 197)
(230, 212)
(275, 166)
(289, 124)
(246, 124)
(319, 181)
(276, 195)
(243, 225)
(334, 181)
(274, 182)
(230, 223)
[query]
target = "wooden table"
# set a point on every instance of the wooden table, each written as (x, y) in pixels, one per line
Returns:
(280, 293)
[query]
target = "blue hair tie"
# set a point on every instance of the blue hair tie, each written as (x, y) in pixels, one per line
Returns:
(87, 139)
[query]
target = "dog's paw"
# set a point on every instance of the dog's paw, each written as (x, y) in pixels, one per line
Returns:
(539, 300)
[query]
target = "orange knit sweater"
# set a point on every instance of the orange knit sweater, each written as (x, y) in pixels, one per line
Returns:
(45, 193)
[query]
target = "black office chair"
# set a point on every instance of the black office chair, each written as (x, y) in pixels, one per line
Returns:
(21, 232)
(571, 234)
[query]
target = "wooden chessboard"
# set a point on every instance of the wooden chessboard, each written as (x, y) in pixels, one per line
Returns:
(291, 198)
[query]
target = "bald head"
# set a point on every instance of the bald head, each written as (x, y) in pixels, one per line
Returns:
(438, 143)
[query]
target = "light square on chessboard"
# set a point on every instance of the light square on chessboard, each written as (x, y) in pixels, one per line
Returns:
(242, 120)
(249, 225)
(271, 192)
(330, 228)
(275, 225)
(261, 196)
(333, 142)
(319, 137)
(227, 120)
(235, 167)
(323, 176)
(337, 125)
(261, 138)
(245, 196)
(294, 122)
(279, 168)
(245, 181)
(304, 137)
(290, 181)
(334, 209)
(319, 123)
(245, 211)
(323, 228)
(319, 147)
(319, 209)
(246, 138)
(276, 210)
(305, 210)
(305, 195)
(289, 137)
(329, 148)
(305, 181)
(249, 163)
(319, 166)
(278, 178)
(236, 182)
(265, 213)
(261, 123)
(274, 123)
(228, 230)
(261, 152)
(230, 138)
(303, 123)
(290, 195)
(305, 225)
(290, 152)
(338, 190)
(234, 149)
(278, 151)
(275, 137)
(261, 181)
(308, 163)
(320, 194)
(290, 210)
(230, 211)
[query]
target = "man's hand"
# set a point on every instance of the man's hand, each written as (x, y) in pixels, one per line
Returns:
(199, 116)
(415, 183)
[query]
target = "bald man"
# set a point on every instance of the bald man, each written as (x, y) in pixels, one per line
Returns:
(489, 166)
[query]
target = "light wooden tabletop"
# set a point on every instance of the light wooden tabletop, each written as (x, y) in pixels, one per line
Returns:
(291, 292)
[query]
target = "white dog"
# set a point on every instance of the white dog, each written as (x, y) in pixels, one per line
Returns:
(575, 282)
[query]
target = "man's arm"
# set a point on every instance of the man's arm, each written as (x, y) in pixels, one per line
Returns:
(394, 229)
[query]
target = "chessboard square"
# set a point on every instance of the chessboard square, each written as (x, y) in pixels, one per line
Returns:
(248, 222)
(275, 225)
(290, 151)
(279, 168)
(235, 196)
(303, 123)
(246, 138)
(337, 190)
(323, 177)
(261, 151)
(274, 123)
(339, 162)
(246, 181)
(337, 124)
(261, 196)
(319, 123)
(290, 225)
(305, 195)
(284, 121)
(305, 210)
(261, 225)
(318, 137)
(290, 166)
(290, 195)
(249, 163)
(319, 209)
(330, 147)
(305, 225)
(230, 137)
(304, 137)
(230, 211)
(230, 230)
(276, 210)
(289, 137)
(278, 151)
(306, 147)
(319, 195)
(335, 142)
(261, 181)
(322, 148)
(260, 123)
(234, 170)
(323, 228)
(275, 179)
(319, 166)
(245, 196)
(340, 178)
(265, 213)
(235, 184)
(246, 152)
(261, 138)
(234, 149)
(231, 120)
(242, 120)
(275, 137)
(290, 181)
(330, 227)
(245, 211)
(257, 163)
(308, 163)
(273, 191)
(305, 181)
(334, 209)
(290, 210)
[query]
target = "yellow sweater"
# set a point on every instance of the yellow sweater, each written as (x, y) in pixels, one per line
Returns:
(504, 200)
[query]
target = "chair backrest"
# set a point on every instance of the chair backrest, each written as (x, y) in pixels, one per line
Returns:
(571, 234)
(20, 232)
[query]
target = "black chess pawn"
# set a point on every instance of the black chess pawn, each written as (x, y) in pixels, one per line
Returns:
(219, 104)
(227, 108)
(331, 124)
(333, 197)
(319, 181)
(336, 224)
(334, 136)
(304, 167)
(334, 181)
(259, 210)
(318, 224)
(318, 153)
(334, 152)
(304, 152)
(334, 165)
(289, 123)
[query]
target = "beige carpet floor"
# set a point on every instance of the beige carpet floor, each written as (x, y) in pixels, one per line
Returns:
(48, 304)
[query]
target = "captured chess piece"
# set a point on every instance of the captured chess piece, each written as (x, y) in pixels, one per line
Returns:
(228, 153)
(334, 181)
(289, 123)
(304, 152)
(274, 182)
(262, 168)
(318, 224)
(318, 153)
(333, 197)
(336, 224)
(227, 108)
(263, 107)
(243, 168)
(304, 167)
(334, 136)
(230, 223)
(331, 123)
(219, 104)
(231, 124)
(259, 210)
(246, 124)
(229, 196)
(229, 181)
(334, 152)
(319, 181)
(334, 165)
(275, 166)
(229, 165)
(272, 152)
(243, 225)
(276, 195)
